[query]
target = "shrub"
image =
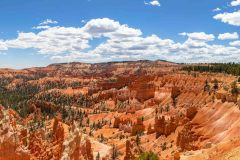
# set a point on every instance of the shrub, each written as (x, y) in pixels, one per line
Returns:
(234, 89)
(148, 156)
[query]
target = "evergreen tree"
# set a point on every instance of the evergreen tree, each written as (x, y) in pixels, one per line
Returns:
(234, 89)
(101, 138)
(114, 152)
(215, 86)
(148, 156)
(207, 86)
(98, 156)
(138, 139)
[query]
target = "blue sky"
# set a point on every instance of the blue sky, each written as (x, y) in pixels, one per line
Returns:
(111, 30)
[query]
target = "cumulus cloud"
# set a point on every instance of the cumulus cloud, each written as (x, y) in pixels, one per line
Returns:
(228, 36)
(201, 36)
(216, 9)
(41, 27)
(59, 40)
(235, 43)
(3, 46)
(235, 3)
(119, 42)
(54, 40)
(109, 28)
(230, 18)
(153, 3)
(48, 21)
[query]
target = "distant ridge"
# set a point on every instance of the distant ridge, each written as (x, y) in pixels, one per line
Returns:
(113, 62)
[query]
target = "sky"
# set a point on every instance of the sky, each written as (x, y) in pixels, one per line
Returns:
(39, 33)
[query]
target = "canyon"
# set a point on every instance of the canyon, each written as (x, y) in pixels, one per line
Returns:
(118, 110)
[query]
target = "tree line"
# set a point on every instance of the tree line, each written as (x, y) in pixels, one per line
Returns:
(228, 68)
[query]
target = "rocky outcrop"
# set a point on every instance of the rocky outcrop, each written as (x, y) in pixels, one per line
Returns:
(132, 150)
(128, 125)
(58, 130)
(150, 129)
(138, 127)
(186, 139)
(164, 127)
(118, 122)
(191, 112)
(231, 98)
(87, 150)
(176, 156)
(159, 126)
(37, 147)
(74, 148)
(10, 141)
(128, 153)
(175, 92)
(224, 96)
(143, 91)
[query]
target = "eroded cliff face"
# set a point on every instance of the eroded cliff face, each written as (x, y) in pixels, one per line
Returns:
(11, 141)
(75, 148)
(132, 150)
(49, 142)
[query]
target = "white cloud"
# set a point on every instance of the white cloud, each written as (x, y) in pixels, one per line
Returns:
(3, 46)
(201, 36)
(59, 40)
(230, 18)
(48, 21)
(119, 42)
(153, 3)
(216, 9)
(228, 36)
(235, 3)
(235, 43)
(109, 28)
(54, 40)
(41, 27)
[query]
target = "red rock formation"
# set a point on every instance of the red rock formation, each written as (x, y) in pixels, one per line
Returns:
(72, 147)
(118, 121)
(159, 126)
(8, 151)
(36, 145)
(76, 151)
(177, 156)
(128, 153)
(191, 112)
(138, 127)
(164, 127)
(231, 98)
(175, 92)
(23, 136)
(170, 126)
(225, 96)
(186, 139)
(58, 131)
(10, 143)
(150, 130)
(58, 137)
(87, 150)
(143, 91)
